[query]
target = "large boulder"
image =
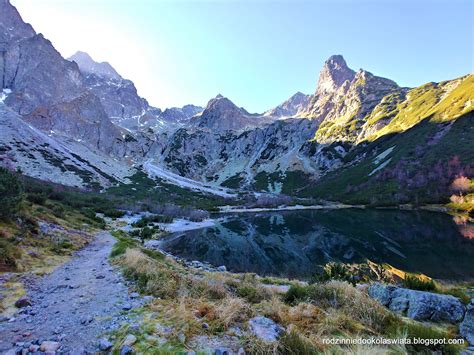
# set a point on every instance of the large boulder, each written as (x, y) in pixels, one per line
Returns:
(467, 326)
(265, 329)
(419, 305)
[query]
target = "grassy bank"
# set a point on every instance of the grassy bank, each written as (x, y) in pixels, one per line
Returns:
(193, 308)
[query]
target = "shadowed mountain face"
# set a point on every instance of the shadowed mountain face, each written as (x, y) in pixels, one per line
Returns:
(294, 244)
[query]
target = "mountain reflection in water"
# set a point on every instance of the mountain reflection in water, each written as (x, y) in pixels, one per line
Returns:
(293, 243)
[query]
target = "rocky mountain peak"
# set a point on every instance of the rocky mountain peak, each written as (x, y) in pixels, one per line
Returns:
(88, 66)
(222, 114)
(334, 73)
(291, 107)
(221, 104)
(12, 26)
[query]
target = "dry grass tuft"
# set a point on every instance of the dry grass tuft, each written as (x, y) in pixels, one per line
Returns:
(230, 311)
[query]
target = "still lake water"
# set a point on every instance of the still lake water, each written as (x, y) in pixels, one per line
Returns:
(293, 243)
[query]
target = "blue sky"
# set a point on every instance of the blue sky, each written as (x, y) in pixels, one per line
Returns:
(258, 53)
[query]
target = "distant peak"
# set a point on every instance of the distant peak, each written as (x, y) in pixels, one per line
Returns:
(90, 66)
(219, 96)
(299, 94)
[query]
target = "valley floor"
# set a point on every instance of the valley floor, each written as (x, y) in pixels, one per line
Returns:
(74, 304)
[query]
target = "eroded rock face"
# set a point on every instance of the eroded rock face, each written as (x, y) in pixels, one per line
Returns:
(467, 326)
(419, 305)
(215, 156)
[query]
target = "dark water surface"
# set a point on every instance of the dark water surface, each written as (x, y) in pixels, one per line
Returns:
(293, 243)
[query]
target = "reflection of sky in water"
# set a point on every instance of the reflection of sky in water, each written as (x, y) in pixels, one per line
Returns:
(294, 243)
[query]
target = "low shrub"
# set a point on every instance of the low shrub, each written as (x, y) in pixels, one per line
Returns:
(295, 294)
(148, 220)
(416, 283)
(58, 211)
(61, 247)
(113, 213)
(37, 198)
(334, 271)
(250, 293)
(9, 254)
(11, 193)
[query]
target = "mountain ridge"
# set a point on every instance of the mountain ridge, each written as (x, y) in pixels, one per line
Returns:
(288, 149)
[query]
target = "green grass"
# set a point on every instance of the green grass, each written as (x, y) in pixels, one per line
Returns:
(414, 157)
(122, 244)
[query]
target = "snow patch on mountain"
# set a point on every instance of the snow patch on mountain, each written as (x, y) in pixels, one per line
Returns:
(181, 181)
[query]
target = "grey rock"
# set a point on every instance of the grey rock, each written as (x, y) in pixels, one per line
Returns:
(127, 306)
(419, 305)
(130, 339)
(221, 268)
(466, 328)
(265, 329)
(105, 345)
(126, 350)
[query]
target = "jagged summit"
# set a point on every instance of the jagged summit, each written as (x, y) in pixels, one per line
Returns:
(89, 66)
(12, 26)
(333, 74)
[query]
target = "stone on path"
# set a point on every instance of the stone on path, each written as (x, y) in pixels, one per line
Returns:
(265, 329)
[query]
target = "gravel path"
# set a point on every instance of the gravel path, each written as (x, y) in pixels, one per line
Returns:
(73, 305)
